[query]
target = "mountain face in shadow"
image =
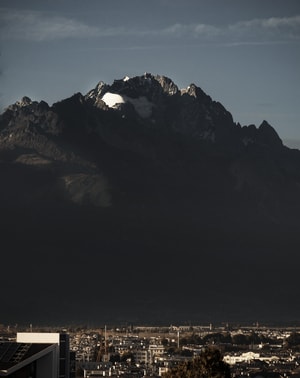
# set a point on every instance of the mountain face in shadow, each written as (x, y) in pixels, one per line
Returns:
(142, 202)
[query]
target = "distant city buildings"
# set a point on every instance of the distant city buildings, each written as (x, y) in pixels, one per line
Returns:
(148, 351)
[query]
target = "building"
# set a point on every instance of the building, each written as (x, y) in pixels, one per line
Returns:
(36, 355)
(156, 351)
(142, 356)
(22, 360)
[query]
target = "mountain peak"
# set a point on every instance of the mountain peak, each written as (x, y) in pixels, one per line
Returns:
(148, 85)
(155, 103)
(167, 84)
(268, 135)
(141, 92)
(24, 101)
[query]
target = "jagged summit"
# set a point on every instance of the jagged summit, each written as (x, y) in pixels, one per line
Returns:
(155, 103)
(157, 99)
(143, 93)
(24, 101)
(145, 84)
(148, 85)
(269, 135)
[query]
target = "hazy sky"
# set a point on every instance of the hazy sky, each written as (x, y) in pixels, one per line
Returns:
(243, 53)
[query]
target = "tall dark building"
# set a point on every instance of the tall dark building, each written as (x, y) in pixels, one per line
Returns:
(38, 355)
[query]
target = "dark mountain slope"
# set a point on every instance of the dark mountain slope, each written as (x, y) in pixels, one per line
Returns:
(140, 201)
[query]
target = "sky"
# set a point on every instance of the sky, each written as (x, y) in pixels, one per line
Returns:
(243, 53)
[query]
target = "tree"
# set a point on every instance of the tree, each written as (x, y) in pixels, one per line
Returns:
(239, 339)
(209, 364)
(293, 340)
(79, 372)
(217, 338)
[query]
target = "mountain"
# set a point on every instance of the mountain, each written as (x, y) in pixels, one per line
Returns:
(137, 199)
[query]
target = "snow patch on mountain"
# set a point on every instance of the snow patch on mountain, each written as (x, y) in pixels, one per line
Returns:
(141, 104)
(112, 99)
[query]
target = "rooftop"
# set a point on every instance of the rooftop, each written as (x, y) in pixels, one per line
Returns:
(13, 353)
